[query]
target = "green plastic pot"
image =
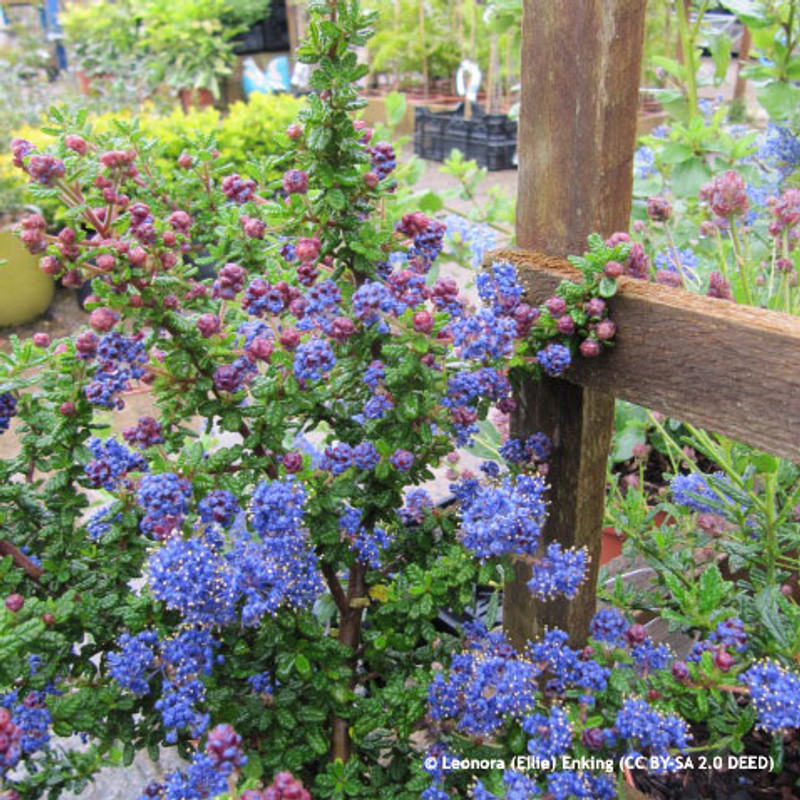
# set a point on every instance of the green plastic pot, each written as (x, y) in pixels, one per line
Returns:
(25, 291)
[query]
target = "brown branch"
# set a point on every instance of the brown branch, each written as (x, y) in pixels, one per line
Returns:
(350, 635)
(19, 558)
(335, 585)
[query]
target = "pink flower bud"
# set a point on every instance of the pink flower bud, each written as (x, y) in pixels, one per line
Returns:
(423, 321)
(556, 306)
(103, 319)
(76, 143)
(208, 325)
(605, 330)
(14, 602)
(307, 249)
(590, 348)
(613, 269)
(50, 265)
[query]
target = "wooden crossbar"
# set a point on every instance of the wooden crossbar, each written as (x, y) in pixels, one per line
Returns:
(731, 369)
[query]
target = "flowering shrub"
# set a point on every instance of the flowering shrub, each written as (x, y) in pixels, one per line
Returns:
(254, 574)
(284, 592)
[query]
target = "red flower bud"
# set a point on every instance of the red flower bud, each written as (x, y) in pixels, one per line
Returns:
(14, 602)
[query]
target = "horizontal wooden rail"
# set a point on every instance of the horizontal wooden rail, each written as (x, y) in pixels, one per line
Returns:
(729, 368)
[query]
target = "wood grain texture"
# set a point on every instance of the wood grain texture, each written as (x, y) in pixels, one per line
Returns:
(577, 127)
(578, 422)
(728, 368)
(577, 134)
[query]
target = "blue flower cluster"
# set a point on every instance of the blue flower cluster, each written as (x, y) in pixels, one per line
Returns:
(644, 727)
(566, 667)
(477, 237)
(558, 572)
(179, 662)
(119, 361)
(516, 786)
(555, 359)
(486, 684)
(131, 667)
(649, 656)
(313, 359)
(111, 463)
(644, 162)
(536, 448)
(204, 778)
(609, 626)
(504, 519)
(484, 336)
(566, 785)
(179, 707)
(694, 492)
(781, 150)
(164, 499)
(413, 510)
(192, 577)
(730, 633)
(205, 580)
(679, 260)
(465, 390)
(24, 727)
(375, 374)
(550, 734)
(428, 239)
(278, 507)
(8, 408)
(775, 695)
(220, 507)
(367, 544)
(261, 683)
(373, 299)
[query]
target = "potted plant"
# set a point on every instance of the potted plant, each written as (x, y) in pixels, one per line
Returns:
(189, 47)
(103, 38)
(25, 291)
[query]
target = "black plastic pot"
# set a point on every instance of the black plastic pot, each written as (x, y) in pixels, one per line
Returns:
(489, 139)
(270, 35)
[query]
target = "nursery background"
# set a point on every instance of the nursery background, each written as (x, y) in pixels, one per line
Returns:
(399, 399)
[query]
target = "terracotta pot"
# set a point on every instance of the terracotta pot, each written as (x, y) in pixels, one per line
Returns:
(195, 98)
(25, 291)
(611, 545)
(84, 82)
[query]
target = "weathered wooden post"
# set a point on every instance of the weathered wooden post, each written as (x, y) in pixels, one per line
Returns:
(577, 133)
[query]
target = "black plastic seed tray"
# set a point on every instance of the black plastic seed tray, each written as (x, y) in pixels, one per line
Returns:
(489, 139)
(270, 35)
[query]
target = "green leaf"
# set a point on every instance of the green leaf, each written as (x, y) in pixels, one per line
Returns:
(752, 13)
(337, 198)
(779, 99)
(712, 589)
(689, 176)
(676, 153)
(395, 106)
(430, 202)
(720, 47)
(607, 287)
(303, 665)
(766, 605)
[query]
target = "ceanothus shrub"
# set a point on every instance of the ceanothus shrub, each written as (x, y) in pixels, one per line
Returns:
(260, 583)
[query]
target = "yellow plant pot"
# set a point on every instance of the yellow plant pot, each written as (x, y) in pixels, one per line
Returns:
(25, 291)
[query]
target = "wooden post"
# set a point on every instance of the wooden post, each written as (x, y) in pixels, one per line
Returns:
(577, 136)
(739, 100)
